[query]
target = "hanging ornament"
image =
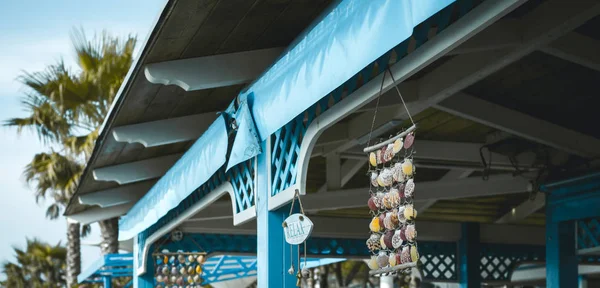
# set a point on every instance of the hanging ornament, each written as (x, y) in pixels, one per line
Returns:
(393, 232)
(296, 229)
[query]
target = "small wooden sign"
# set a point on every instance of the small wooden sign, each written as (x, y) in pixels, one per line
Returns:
(297, 229)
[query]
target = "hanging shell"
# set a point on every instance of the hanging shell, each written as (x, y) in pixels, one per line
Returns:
(165, 270)
(200, 259)
(394, 197)
(382, 259)
(190, 280)
(387, 177)
(174, 271)
(378, 200)
(410, 232)
(372, 263)
(373, 159)
(374, 225)
(197, 279)
(373, 242)
(397, 145)
(371, 203)
(405, 255)
(182, 271)
(379, 157)
(374, 179)
(392, 259)
(396, 240)
(198, 269)
(403, 233)
(410, 213)
(401, 217)
(190, 270)
(387, 221)
(387, 239)
(159, 278)
(407, 167)
(389, 153)
(181, 259)
(409, 140)
(414, 254)
(397, 174)
(173, 279)
(191, 258)
(165, 259)
(409, 188)
(394, 218)
(382, 243)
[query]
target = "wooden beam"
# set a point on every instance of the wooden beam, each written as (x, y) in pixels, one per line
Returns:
(519, 124)
(168, 131)
(549, 21)
(212, 71)
(434, 190)
(333, 171)
(349, 168)
(453, 174)
(96, 214)
(136, 171)
(576, 48)
(116, 196)
(524, 209)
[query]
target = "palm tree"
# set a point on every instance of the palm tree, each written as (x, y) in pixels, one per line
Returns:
(65, 109)
(39, 265)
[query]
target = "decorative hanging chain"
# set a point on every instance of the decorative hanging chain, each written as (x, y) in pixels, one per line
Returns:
(297, 228)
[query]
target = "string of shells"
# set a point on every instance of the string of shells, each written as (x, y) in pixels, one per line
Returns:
(393, 232)
(179, 270)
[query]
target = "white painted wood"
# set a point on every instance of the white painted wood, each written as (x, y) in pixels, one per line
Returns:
(212, 71)
(472, 23)
(519, 124)
(463, 152)
(576, 48)
(524, 209)
(206, 201)
(136, 171)
(545, 24)
(116, 196)
(162, 132)
(502, 34)
(96, 214)
(333, 171)
(434, 190)
(453, 174)
(533, 274)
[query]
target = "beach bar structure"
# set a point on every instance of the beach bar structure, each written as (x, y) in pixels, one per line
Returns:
(233, 106)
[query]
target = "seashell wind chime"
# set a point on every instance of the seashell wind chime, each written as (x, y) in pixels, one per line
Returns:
(179, 269)
(393, 232)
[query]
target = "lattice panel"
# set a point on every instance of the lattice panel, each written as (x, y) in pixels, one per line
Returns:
(588, 233)
(241, 178)
(499, 260)
(286, 142)
(438, 261)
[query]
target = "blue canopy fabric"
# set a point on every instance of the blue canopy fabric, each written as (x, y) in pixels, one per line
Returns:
(352, 35)
(247, 143)
(195, 167)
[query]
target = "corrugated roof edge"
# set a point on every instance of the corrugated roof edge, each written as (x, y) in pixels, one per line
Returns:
(136, 67)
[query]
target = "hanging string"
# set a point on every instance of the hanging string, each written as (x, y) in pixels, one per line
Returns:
(376, 107)
(400, 94)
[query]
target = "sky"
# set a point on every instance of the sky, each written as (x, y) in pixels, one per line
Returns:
(34, 34)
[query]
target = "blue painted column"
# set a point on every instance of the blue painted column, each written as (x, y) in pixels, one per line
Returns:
(469, 256)
(561, 256)
(106, 280)
(147, 279)
(273, 253)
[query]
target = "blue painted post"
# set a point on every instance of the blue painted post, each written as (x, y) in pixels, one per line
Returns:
(469, 256)
(561, 256)
(273, 253)
(106, 280)
(147, 279)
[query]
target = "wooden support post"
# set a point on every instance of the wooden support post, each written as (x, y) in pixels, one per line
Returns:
(147, 279)
(469, 256)
(273, 253)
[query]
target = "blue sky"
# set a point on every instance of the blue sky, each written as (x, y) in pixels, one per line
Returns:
(34, 34)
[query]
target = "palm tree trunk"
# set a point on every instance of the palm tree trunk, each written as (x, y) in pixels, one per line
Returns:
(109, 229)
(73, 253)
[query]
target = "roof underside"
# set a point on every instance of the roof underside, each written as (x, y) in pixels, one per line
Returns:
(558, 90)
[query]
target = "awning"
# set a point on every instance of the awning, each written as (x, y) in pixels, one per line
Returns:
(349, 37)
(194, 168)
